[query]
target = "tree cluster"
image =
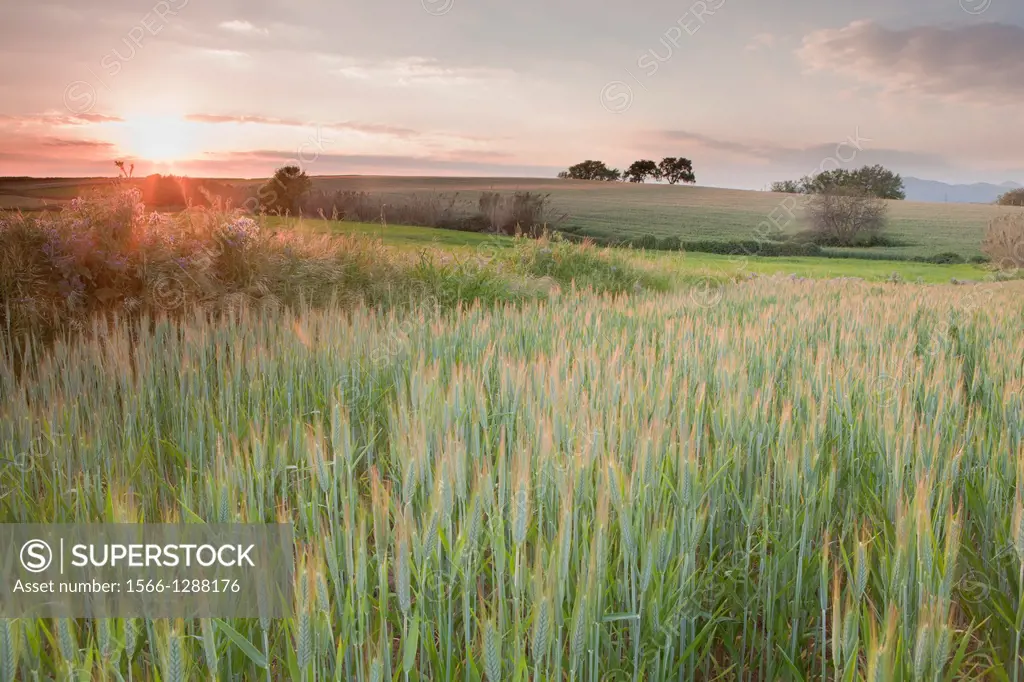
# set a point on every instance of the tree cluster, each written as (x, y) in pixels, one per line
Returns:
(671, 169)
(873, 181)
(1015, 197)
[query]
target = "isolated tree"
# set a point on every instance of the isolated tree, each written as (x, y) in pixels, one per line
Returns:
(1015, 197)
(640, 170)
(675, 170)
(845, 216)
(591, 170)
(284, 192)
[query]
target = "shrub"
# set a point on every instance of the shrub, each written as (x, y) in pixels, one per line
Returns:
(754, 248)
(1004, 243)
(842, 216)
(946, 258)
(862, 240)
(647, 241)
(670, 244)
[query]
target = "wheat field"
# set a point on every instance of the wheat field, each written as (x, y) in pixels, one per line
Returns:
(775, 480)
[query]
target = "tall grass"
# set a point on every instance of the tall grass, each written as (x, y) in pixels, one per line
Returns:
(803, 481)
(522, 212)
(109, 257)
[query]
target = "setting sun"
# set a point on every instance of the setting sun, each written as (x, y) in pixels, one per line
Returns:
(160, 139)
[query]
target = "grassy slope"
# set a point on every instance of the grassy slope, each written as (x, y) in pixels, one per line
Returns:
(682, 265)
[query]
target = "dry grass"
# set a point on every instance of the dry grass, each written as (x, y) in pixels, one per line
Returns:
(1004, 243)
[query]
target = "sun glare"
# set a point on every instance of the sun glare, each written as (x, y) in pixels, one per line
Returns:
(159, 139)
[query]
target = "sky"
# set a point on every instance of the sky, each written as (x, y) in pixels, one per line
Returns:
(751, 90)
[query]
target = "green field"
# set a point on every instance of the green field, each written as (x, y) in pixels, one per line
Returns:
(793, 480)
(683, 266)
(624, 211)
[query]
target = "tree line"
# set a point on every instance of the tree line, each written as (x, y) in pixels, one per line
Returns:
(671, 169)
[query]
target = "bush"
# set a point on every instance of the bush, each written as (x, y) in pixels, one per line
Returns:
(1004, 243)
(754, 248)
(108, 255)
(842, 216)
(670, 244)
(864, 240)
(947, 258)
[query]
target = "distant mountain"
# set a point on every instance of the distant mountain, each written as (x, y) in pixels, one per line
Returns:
(932, 190)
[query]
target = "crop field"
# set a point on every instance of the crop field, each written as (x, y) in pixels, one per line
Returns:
(624, 211)
(772, 480)
(621, 211)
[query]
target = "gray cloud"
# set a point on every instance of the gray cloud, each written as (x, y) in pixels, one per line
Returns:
(75, 144)
(259, 120)
(982, 63)
(466, 162)
(856, 150)
(58, 119)
(354, 126)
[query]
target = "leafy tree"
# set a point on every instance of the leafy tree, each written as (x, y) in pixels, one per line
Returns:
(879, 181)
(639, 171)
(825, 181)
(284, 192)
(676, 170)
(876, 181)
(787, 187)
(1015, 197)
(591, 170)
